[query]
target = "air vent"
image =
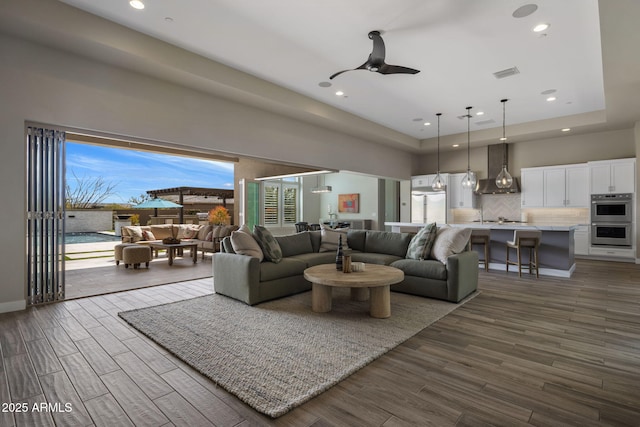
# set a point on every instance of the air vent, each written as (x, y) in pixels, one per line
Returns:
(506, 73)
(463, 117)
(485, 122)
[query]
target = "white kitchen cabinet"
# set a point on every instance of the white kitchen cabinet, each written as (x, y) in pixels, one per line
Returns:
(427, 180)
(577, 186)
(613, 176)
(556, 186)
(532, 183)
(459, 196)
(581, 241)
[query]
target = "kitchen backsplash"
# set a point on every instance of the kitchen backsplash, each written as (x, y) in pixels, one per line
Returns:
(508, 206)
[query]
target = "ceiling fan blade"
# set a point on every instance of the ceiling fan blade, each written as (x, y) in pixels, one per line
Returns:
(397, 69)
(362, 67)
(378, 53)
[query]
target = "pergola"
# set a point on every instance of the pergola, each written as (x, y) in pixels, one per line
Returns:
(220, 193)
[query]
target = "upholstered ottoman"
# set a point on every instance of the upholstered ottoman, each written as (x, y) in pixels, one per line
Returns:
(136, 255)
(118, 251)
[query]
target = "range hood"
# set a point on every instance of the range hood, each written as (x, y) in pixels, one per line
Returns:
(496, 153)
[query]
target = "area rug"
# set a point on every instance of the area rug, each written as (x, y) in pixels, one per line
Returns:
(279, 354)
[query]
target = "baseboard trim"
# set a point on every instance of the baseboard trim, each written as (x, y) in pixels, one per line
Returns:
(6, 307)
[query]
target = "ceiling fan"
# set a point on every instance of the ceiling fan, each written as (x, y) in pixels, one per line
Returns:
(375, 63)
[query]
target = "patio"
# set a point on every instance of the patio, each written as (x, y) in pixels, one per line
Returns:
(90, 269)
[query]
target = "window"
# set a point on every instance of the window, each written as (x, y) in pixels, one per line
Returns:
(281, 202)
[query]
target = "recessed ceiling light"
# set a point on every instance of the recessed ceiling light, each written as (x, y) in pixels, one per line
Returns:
(339, 93)
(168, 19)
(524, 11)
(540, 28)
(456, 145)
(136, 4)
(551, 98)
(480, 113)
(566, 129)
(324, 84)
(427, 123)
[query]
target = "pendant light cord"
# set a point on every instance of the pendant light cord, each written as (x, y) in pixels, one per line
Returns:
(438, 114)
(469, 138)
(504, 132)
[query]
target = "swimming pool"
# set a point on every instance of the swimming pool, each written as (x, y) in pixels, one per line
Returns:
(70, 238)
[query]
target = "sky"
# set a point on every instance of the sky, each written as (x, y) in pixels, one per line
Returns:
(135, 172)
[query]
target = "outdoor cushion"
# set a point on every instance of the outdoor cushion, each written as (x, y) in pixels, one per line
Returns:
(243, 243)
(162, 231)
(295, 244)
(268, 243)
(421, 244)
(385, 242)
(203, 232)
(449, 241)
(190, 231)
(209, 237)
(148, 235)
(135, 231)
(430, 269)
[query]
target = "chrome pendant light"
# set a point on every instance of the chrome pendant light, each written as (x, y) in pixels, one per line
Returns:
(470, 180)
(504, 179)
(438, 182)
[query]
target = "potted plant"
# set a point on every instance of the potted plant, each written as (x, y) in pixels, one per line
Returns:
(219, 216)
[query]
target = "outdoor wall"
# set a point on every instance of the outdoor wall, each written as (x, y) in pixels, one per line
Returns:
(82, 221)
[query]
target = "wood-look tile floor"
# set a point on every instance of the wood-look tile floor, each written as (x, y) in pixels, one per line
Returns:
(546, 352)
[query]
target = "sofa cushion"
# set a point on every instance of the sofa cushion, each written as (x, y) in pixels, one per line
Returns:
(373, 258)
(316, 240)
(330, 239)
(162, 231)
(421, 244)
(286, 268)
(430, 269)
(135, 231)
(243, 243)
(295, 244)
(203, 232)
(268, 243)
(386, 242)
(449, 241)
(315, 258)
(356, 239)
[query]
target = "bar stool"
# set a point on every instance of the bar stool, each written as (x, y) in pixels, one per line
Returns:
(525, 239)
(481, 236)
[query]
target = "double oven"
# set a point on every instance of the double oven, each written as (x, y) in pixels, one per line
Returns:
(611, 220)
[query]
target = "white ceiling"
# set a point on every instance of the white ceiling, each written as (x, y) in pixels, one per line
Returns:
(457, 45)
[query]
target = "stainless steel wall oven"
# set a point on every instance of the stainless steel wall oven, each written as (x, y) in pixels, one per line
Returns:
(612, 220)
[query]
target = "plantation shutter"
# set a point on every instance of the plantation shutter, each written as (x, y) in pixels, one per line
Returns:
(271, 204)
(45, 215)
(290, 215)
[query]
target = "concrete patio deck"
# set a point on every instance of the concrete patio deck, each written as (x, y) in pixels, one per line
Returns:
(90, 269)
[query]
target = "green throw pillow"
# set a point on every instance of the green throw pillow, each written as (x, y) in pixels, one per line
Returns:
(269, 245)
(421, 244)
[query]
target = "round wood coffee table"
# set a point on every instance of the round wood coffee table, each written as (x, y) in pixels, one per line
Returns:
(377, 278)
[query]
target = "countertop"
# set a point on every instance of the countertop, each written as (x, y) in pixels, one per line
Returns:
(497, 226)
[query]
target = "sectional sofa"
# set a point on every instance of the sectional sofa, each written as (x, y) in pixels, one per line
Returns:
(207, 237)
(247, 279)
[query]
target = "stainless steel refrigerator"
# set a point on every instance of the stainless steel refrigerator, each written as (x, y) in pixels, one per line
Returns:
(428, 205)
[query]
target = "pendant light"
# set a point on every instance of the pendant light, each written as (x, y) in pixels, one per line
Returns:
(470, 180)
(504, 179)
(438, 182)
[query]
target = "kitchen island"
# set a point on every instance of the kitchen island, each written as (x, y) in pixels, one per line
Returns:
(555, 253)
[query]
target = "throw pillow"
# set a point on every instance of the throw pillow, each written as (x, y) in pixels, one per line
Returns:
(421, 244)
(135, 231)
(190, 231)
(270, 246)
(449, 241)
(148, 235)
(209, 237)
(330, 238)
(243, 243)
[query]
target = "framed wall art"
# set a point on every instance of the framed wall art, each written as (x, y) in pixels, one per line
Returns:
(349, 203)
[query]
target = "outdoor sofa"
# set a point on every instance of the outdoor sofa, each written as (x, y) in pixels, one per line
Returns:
(207, 237)
(247, 279)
